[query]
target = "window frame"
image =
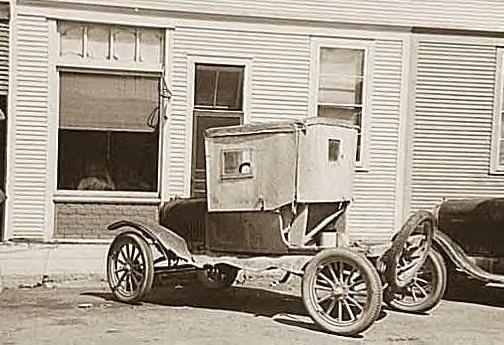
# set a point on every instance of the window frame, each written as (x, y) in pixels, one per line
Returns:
(496, 167)
(112, 195)
(236, 175)
(346, 43)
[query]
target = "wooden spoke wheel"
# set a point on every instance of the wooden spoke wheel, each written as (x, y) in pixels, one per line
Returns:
(425, 290)
(217, 277)
(342, 291)
(130, 267)
(409, 249)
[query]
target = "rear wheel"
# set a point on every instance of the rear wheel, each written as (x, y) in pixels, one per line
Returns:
(426, 289)
(130, 268)
(218, 277)
(342, 291)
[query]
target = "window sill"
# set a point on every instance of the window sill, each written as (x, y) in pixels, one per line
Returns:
(107, 197)
(496, 172)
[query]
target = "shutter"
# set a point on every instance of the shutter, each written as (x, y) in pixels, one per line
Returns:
(30, 130)
(453, 123)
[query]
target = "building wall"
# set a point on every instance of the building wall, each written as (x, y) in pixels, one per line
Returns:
(280, 64)
(466, 14)
(453, 121)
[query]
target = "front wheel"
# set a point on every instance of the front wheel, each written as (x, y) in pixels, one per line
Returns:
(342, 291)
(130, 267)
(426, 289)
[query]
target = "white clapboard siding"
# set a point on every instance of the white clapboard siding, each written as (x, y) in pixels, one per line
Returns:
(453, 123)
(373, 211)
(460, 14)
(4, 57)
(280, 72)
(280, 76)
(28, 168)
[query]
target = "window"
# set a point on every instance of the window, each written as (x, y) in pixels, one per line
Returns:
(497, 159)
(237, 163)
(218, 87)
(334, 150)
(108, 132)
(341, 86)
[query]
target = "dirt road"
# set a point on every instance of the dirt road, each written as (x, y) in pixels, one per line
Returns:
(252, 313)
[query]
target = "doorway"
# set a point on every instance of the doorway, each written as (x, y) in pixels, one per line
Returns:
(218, 102)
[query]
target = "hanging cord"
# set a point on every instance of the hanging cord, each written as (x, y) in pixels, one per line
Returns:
(153, 119)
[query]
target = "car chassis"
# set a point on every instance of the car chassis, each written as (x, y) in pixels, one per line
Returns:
(277, 198)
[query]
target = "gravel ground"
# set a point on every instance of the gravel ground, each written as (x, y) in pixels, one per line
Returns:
(252, 312)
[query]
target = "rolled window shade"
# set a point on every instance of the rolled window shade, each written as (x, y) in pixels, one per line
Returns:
(107, 102)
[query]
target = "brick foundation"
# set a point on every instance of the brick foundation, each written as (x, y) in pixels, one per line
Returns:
(90, 220)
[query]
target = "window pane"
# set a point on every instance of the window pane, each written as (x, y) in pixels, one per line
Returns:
(347, 115)
(341, 76)
(100, 160)
(334, 150)
(113, 102)
(237, 163)
(134, 161)
(351, 116)
(204, 92)
(229, 94)
(82, 161)
(219, 87)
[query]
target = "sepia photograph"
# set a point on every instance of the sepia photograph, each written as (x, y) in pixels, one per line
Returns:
(270, 172)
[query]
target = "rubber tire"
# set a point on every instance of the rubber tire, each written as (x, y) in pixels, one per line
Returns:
(374, 288)
(221, 284)
(146, 253)
(399, 240)
(439, 288)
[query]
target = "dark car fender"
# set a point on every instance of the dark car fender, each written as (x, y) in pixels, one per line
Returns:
(456, 255)
(165, 239)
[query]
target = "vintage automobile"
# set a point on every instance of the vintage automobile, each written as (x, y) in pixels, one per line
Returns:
(469, 235)
(277, 194)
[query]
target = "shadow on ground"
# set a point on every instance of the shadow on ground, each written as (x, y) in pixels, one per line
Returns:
(473, 291)
(287, 309)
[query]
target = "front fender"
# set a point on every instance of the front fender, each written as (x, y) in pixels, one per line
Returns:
(451, 250)
(167, 239)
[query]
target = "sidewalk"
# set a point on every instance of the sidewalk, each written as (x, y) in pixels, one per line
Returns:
(27, 263)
